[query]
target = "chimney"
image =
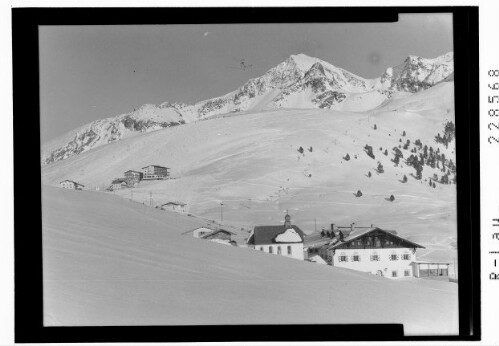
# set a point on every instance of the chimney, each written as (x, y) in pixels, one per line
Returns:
(340, 234)
(351, 226)
(332, 231)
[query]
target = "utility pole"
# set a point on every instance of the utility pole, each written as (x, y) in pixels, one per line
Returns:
(315, 224)
(221, 212)
(150, 198)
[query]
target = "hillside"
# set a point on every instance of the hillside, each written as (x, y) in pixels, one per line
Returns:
(251, 163)
(108, 261)
(298, 82)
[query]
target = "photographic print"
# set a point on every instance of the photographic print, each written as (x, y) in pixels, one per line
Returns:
(250, 174)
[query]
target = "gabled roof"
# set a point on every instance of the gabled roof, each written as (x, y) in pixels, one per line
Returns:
(217, 231)
(131, 170)
(357, 233)
(155, 166)
(199, 228)
(118, 181)
(267, 234)
(174, 203)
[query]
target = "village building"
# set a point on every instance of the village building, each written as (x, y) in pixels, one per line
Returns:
(118, 184)
(220, 234)
(199, 232)
(174, 206)
(284, 240)
(372, 250)
(71, 185)
(430, 270)
(133, 175)
(155, 172)
(215, 235)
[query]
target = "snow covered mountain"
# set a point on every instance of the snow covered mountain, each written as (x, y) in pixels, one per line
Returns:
(298, 82)
(416, 73)
(147, 118)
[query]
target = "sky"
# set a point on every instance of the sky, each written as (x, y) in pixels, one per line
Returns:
(94, 72)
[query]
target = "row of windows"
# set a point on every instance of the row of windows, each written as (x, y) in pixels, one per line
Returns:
(356, 258)
(370, 242)
(271, 249)
(406, 273)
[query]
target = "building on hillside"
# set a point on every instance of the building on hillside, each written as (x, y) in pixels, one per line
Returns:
(372, 250)
(284, 240)
(155, 172)
(430, 270)
(199, 232)
(174, 206)
(71, 185)
(133, 175)
(118, 184)
(220, 234)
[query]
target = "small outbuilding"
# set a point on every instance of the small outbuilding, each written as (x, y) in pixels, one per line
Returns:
(199, 232)
(71, 185)
(174, 206)
(220, 234)
(118, 184)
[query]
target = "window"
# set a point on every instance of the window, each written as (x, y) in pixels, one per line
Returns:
(261, 248)
(278, 250)
(394, 274)
(355, 258)
(407, 273)
(271, 250)
(406, 256)
(343, 259)
(289, 250)
(374, 257)
(394, 257)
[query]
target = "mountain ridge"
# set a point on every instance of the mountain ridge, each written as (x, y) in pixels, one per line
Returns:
(300, 81)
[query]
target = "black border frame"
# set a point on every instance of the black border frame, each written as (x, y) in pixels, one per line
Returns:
(28, 239)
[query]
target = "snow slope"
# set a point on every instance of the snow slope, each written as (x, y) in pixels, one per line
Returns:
(108, 261)
(251, 164)
(298, 82)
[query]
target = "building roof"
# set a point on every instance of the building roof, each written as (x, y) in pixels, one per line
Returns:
(155, 166)
(199, 228)
(267, 234)
(131, 170)
(118, 181)
(217, 231)
(357, 233)
(174, 203)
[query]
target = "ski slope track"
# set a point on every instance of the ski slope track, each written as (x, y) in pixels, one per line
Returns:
(109, 261)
